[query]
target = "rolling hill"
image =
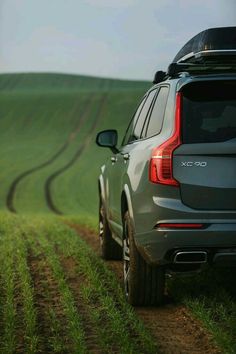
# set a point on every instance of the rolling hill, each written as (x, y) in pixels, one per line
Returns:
(56, 294)
(48, 124)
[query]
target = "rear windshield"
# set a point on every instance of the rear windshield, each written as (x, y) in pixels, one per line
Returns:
(209, 112)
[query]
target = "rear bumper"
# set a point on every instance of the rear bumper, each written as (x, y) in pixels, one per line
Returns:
(159, 246)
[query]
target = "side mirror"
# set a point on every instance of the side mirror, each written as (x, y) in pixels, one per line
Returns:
(108, 138)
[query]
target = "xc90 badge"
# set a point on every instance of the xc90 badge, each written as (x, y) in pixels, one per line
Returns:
(192, 164)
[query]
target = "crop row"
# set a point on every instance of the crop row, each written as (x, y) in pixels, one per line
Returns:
(58, 296)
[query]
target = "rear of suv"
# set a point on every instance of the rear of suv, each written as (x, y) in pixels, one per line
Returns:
(168, 193)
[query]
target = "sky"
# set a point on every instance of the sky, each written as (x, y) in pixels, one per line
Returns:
(128, 39)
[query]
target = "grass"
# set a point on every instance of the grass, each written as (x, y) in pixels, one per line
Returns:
(101, 300)
(39, 113)
(29, 312)
(102, 288)
(51, 282)
(15, 273)
(74, 325)
(211, 297)
(8, 311)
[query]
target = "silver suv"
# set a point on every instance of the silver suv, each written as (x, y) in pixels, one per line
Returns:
(168, 193)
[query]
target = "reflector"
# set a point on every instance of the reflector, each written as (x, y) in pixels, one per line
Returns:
(179, 226)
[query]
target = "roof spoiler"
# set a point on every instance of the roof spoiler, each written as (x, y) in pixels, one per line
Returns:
(159, 77)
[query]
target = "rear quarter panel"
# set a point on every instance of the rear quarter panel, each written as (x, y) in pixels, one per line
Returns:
(142, 191)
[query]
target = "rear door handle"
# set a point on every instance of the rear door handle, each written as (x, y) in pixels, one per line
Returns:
(126, 157)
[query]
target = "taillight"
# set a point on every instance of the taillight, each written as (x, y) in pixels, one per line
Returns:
(161, 163)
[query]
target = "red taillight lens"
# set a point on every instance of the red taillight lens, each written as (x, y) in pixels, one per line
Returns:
(179, 226)
(161, 166)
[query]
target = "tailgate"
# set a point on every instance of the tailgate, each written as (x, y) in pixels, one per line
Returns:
(207, 175)
(205, 163)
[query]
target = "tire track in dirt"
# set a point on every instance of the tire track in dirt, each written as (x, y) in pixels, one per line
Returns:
(172, 325)
(46, 299)
(100, 334)
(20, 177)
(77, 155)
(91, 335)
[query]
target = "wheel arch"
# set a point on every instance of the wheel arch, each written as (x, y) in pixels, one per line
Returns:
(101, 189)
(126, 204)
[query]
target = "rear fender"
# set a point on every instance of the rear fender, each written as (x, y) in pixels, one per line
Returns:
(129, 204)
(102, 189)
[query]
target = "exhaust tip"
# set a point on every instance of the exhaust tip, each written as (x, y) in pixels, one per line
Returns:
(190, 257)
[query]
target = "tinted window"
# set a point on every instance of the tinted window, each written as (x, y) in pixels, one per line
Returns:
(209, 112)
(157, 113)
(141, 119)
(132, 123)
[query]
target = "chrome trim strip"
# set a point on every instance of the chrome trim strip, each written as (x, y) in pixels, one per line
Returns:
(187, 253)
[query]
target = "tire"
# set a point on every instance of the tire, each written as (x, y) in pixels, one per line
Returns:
(109, 248)
(144, 284)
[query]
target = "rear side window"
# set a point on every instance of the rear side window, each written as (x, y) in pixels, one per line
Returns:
(131, 126)
(136, 126)
(209, 112)
(141, 120)
(157, 113)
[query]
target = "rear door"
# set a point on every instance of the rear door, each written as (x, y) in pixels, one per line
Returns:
(120, 161)
(205, 163)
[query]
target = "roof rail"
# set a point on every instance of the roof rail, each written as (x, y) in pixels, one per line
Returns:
(212, 51)
(175, 69)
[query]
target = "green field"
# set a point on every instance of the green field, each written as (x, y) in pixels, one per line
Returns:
(50, 121)
(54, 289)
(57, 296)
